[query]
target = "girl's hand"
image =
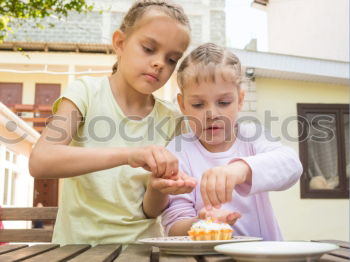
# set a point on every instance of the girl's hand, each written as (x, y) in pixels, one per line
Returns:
(217, 183)
(155, 159)
(181, 185)
(221, 215)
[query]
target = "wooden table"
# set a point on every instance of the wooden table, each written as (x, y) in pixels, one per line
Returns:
(137, 253)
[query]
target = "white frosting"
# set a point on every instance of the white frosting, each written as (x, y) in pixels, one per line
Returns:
(208, 225)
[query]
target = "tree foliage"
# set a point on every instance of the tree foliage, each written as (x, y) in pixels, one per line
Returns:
(14, 12)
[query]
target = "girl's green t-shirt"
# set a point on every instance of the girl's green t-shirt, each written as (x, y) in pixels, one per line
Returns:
(106, 206)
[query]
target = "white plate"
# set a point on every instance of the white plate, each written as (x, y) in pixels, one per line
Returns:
(266, 251)
(183, 245)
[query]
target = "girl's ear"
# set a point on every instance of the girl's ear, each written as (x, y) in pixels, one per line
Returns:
(241, 99)
(180, 101)
(118, 41)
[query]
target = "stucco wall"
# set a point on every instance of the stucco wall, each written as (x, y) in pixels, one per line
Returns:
(313, 28)
(302, 218)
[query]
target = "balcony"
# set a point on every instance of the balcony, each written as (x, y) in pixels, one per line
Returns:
(35, 115)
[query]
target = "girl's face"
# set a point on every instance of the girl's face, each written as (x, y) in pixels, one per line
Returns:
(148, 54)
(212, 109)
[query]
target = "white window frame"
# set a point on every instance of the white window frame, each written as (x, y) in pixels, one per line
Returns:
(13, 170)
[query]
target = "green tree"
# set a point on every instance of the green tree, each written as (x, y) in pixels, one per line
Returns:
(14, 13)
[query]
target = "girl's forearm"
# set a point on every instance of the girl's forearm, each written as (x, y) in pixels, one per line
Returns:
(154, 202)
(181, 227)
(60, 161)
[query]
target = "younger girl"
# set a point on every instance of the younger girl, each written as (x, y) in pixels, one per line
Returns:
(103, 136)
(235, 164)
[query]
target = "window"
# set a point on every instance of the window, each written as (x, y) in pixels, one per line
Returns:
(324, 150)
(9, 171)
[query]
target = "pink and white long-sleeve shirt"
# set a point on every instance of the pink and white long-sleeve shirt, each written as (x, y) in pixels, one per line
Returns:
(274, 168)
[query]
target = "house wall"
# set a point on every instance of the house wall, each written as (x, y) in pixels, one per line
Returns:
(312, 28)
(302, 219)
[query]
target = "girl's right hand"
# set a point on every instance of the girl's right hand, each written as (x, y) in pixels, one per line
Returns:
(182, 185)
(221, 215)
(156, 159)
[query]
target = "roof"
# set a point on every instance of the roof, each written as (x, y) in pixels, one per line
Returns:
(282, 66)
(57, 47)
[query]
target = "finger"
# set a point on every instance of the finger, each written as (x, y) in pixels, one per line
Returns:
(151, 163)
(233, 217)
(211, 190)
(172, 167)
(160, 161)
(230, 185)
(220, 188)
(160, 183)
(202, 213)
(203, 188)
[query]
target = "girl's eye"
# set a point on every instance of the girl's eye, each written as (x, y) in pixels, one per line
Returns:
(172, 61)
(147, 49)
(224, 103)
(197, 105)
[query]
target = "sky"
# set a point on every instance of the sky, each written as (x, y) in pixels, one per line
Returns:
(244, 23)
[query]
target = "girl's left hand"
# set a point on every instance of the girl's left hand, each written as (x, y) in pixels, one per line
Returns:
(218, 183)
(221, 215)
(181, 185)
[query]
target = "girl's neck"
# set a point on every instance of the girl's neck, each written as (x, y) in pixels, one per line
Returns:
(134, 104)
(223, 147)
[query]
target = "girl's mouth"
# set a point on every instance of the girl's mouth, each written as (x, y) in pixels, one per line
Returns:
(213, 128)
(151, 77)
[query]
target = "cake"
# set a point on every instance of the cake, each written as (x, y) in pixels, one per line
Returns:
(209, 230)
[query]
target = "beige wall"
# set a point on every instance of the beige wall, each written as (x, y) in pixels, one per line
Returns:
(303, 219)
(29, 81)
(311, 28)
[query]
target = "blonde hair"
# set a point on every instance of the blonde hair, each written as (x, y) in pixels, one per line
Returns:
(208, 62)
(139, 8)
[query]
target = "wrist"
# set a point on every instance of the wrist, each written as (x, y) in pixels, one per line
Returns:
(245, 171)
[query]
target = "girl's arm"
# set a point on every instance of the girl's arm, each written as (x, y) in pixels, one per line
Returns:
(274, 167)
(154, 202)
(52, 157)
(181, 227)
(158, 189)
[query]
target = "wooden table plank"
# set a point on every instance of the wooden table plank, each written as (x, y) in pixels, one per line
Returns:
(135, 252)
(341, 252)
(331, 258)
(216, 258)
(100, 253)
(158, 256)
(60, 254)
(9, 248)
(26, 235)
(337, 242)
(28, 252)
(175, 258)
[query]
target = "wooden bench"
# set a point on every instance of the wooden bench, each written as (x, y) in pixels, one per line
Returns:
(27, 214)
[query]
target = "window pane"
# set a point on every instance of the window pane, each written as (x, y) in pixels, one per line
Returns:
(346, 132)
(6, 185)
(13, 188)
(322, 152)
(8, 155)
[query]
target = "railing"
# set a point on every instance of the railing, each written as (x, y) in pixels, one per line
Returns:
(37, 115)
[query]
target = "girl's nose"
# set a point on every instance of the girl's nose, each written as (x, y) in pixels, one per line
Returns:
(212, 113)
(158, 64)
